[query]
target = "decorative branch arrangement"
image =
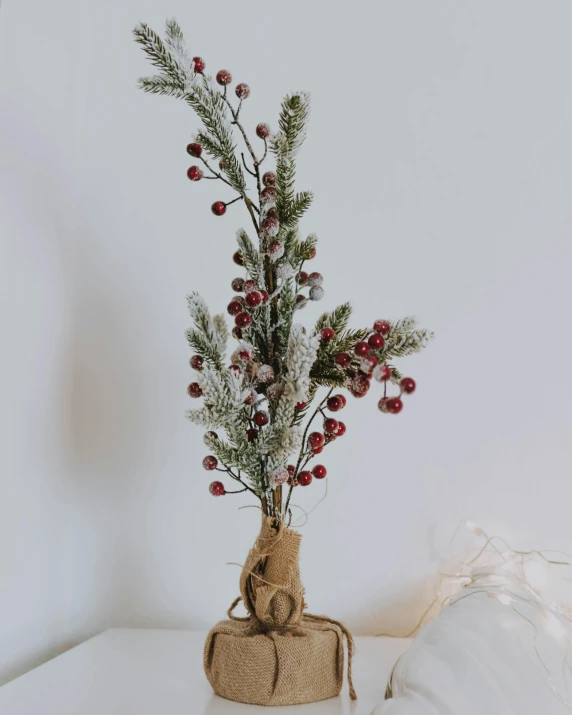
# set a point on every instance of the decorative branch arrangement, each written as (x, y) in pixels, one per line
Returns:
(266, 397)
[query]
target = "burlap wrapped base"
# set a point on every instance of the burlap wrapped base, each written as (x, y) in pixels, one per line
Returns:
(277, 655)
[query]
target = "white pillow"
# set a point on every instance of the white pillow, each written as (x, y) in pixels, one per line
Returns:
(488, 653)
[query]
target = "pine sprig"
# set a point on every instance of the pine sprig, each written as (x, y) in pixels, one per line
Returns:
(294, 211)
(250, 255)
(158, 54)
(337, 320)
(162, 85)
(203, 347)
(303, 250)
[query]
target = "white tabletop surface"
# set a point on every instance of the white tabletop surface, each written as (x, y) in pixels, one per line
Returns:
(130, 671)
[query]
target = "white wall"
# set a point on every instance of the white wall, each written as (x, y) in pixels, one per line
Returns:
(441, 158)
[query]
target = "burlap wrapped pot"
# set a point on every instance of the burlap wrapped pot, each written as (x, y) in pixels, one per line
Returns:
(277, 655)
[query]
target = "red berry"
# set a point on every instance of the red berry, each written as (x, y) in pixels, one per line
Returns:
(194, 389)
(304, 478)
(236, 369)
(301, 406)
(291, 470)
(194, 149)
(270, 226)
(382, 373)
(316, 439)
(368, 363)
(334, 403)
(315, 279)
(223, 77)
(237, 258)
(210, 435)
(319, 471)
(265, 296)
(210, 463)
(269, 179)
(394, 405)
(217, 489)
(251, 434)
(375, 341)
(343, 360)
(408, 385)
(234, 307)
(218, 208)
(301, 301)
(242, 91)
(198, 64)
(382, 327)
(331, 425)
(311, 253)
(196, 362)
(250, 285)
(361, 348)
(250, 398)
(327, 334)
(253, 299)
(194, 173)
(236, 333)
(341, 429)
(360, 386)
(263, 130)
(237, 284)
(302, 278)
(317, 450)
(260, 418)
(242, 320)
(343, 399)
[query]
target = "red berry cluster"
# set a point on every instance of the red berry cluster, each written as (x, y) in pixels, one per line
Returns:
(314, 281)
(242, 308)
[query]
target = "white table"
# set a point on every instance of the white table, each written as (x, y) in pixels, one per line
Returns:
(130, 671)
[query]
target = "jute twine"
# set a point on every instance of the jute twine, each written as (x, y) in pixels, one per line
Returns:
(277, 655)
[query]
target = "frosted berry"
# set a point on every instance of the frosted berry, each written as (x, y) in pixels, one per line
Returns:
(407, 384)
(304, 478)
(217, 489)
(260, 418)
(301, 406)
(375, 341)
(209, 436)
(253, 299)
(242, 320)
(194, 389)
(278, 476)
(341, 429)
(234, 307)
(368, 363)
(249, 399)
(237, 258)
(237, 284)
(315, 279)
(316, 293)
(316, 439)
(302, 278)
(242, 91)
(269, 179)
(196, 362)
(265, 296)
(331, 425)
(311, 253)
(268, 194)
(223, 77)
(194, 173)
(275, 249)
(236, 369)
(382, 373)
(319, 471)
(382, 404)
(382, 327)
(270, 226)
(265, 374)
(251, 434)
(360, 385)
(218, 208)
(249, 286)
(327, 334)
(262, 130)
(194, 149)
(284, 270)
(343, 360)
(335, 403)
(210, 463)
(198, 64)
(394, 405)
(361, 348)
